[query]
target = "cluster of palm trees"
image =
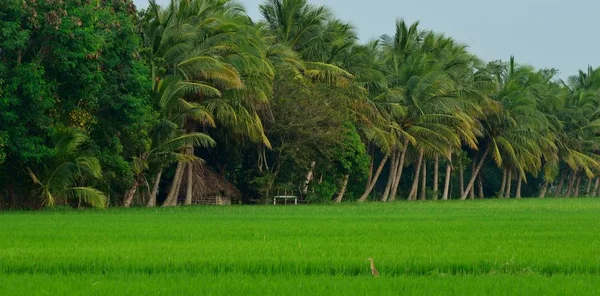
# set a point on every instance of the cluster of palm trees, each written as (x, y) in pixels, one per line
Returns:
(419, 100)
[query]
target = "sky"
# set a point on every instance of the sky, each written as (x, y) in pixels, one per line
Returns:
(543, 33)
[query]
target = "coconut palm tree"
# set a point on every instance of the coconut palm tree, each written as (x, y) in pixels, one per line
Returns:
(209, 70)
(577, 124)
(166, 150)
(515, 130)
(423, 68)
(313, 33)
(63, 178)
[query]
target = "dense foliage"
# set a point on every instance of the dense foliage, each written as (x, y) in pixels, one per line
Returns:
(101, 104)
(71, 65)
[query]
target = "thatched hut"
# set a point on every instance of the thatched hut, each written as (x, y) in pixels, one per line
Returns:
(209, 187)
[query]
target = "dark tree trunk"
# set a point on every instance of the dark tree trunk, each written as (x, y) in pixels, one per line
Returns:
(11, 195)
(391, 177)
(577, 187)
(473, 167)
(424, 181)
(415, 185)
(508, 183)
(130, 194)
(189, 191)
(544, 190)
(596, 187)
(571, 183)
(447, 180)
(340, 196)
(175, 186)
(480, 185)
(503, 186)
(436, 168)
(370, 178)
(477, 169)
(461, 176)
(589, 187)
(399, 172)
(374, 181)
(154, 193)
(561, 183)
(519, 182)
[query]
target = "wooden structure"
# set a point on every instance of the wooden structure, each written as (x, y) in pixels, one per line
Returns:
(285, 197)
(209, 187)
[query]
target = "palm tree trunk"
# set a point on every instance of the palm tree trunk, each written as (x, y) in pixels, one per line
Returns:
(519, 182)
(480, 186)
(175, 198)
(374, 181)
(472, 181)
(577, 187)
(399, 172)
(189, 192)
(589, 187)
(413, 190)
(571, 183)
(596, 187)
(130, 194)
(473, 165)
(424, 181)
(448, 175)
(370, 178)
(340, 196)
(152, 198)
(561, 183)
(461, 176)
(436, 168)
(544, 190)
(391, 177)
(503, 186)
(508, 183)
(175, 186)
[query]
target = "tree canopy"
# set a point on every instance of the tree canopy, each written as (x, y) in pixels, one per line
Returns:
(102, 104)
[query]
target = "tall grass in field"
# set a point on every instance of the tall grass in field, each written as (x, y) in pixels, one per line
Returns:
(549, 246)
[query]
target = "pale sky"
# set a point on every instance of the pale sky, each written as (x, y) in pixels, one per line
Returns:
(543, 33)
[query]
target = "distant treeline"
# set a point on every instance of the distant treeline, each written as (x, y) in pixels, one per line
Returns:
(102, 104)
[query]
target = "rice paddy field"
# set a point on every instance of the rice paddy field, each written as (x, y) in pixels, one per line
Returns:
(488, 247)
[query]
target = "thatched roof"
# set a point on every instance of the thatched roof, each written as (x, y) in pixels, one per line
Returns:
(208, 183)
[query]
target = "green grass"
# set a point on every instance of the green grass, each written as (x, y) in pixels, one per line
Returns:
(492, 247)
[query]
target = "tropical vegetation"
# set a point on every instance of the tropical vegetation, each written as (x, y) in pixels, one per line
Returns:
(102, 104)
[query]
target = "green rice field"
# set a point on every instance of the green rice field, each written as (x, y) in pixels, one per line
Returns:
(487, 247)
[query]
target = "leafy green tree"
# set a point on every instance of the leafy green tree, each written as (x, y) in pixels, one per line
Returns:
(71, 64)
(351, 160)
